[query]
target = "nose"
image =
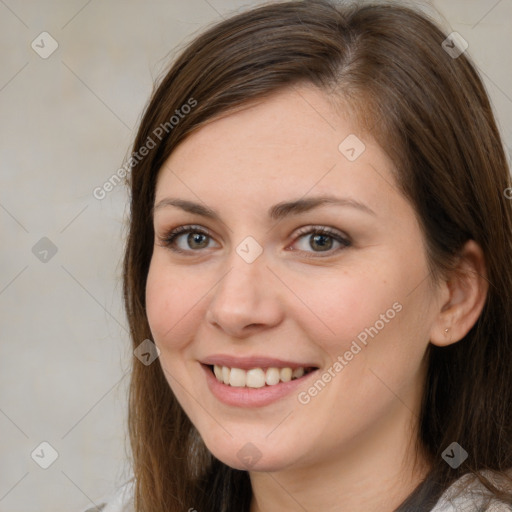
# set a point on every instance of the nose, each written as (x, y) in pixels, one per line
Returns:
(246, 299)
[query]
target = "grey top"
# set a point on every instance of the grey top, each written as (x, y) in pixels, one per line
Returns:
(452, 500)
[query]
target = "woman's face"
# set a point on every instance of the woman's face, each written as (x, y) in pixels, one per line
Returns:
(264, 289)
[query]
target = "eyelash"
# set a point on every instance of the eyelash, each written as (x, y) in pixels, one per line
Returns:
(169, 240)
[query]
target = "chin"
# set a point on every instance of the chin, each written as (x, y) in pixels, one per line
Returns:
(249, 456)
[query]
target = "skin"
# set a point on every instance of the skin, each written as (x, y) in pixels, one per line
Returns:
(351, 448)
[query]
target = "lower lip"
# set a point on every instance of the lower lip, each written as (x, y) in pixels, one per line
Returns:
(251, 397)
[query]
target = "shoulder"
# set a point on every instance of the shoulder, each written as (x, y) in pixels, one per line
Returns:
(467, 494)
(119, 501)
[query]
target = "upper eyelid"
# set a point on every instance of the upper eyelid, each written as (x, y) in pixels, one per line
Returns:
(303, 230)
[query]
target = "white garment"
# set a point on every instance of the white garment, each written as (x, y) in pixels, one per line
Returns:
(470, 500)
(119, 501)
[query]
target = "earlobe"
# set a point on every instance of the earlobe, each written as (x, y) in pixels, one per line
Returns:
(467, 291)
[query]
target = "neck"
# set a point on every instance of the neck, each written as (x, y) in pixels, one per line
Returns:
(376, 473)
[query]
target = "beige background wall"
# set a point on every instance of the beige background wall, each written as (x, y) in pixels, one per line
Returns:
(66, 124)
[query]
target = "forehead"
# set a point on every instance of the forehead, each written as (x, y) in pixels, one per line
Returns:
(286, 146)
(286, 126)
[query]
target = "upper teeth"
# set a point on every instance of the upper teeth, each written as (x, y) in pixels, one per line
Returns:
(255, 377)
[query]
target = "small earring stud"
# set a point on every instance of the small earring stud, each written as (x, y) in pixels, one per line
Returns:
(446, 330)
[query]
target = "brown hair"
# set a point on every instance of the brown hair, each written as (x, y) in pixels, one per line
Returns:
(431, 113)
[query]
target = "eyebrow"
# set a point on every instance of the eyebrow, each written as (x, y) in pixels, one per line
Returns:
(276, 212)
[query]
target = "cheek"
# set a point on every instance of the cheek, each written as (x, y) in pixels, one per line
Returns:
(368, 318)
(341, 306)
(171, 303)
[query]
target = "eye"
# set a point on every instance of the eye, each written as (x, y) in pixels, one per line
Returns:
(323, 239)
(197, 239)
(320, 237)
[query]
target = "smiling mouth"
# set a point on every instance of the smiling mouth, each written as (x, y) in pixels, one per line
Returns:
(257, 377)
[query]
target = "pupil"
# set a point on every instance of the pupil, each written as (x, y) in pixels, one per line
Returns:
(322, 245)
(195, 237)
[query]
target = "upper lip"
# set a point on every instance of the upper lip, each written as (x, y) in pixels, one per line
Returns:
(246, 363)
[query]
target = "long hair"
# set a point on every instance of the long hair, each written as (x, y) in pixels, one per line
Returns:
(429, 110)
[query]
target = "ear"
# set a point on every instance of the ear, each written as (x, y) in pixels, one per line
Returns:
(463, 297)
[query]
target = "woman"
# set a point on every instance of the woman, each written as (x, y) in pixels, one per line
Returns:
(319, 250)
